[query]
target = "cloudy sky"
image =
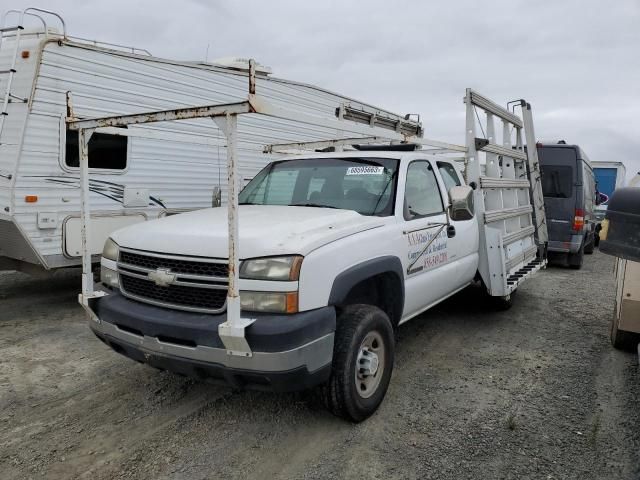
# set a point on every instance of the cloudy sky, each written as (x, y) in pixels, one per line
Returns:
(576, 61)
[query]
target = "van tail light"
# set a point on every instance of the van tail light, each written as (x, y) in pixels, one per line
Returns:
(578, 220)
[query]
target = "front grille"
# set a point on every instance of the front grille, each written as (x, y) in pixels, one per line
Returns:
(196, 285)
(187, 267)
(174, 295)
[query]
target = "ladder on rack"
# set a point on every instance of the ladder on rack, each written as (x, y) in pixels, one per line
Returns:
(508, 193)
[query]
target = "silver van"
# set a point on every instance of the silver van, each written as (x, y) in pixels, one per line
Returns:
(569, 189)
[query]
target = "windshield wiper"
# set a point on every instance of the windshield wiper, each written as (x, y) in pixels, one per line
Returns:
(313, 205)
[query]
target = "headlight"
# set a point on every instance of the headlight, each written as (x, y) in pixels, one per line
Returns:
(109, 277)
(272, 268)
(275, 302)
(110, 250)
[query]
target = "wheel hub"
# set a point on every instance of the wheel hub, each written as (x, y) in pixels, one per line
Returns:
(367, 362)
(370, 364)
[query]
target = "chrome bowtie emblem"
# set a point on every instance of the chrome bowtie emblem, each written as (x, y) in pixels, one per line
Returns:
(162, 277)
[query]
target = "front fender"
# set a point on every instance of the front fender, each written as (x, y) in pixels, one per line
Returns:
(346, 280)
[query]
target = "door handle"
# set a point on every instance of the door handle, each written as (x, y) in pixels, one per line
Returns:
(451, 231)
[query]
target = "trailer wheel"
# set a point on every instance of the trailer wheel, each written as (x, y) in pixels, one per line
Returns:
(621, 339)
(362, 363)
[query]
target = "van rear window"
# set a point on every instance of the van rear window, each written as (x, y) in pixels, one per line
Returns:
(557, 181)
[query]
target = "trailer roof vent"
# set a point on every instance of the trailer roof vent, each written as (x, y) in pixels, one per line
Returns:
(241, 63)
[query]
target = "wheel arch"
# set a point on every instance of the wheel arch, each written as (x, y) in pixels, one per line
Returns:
(379, 280)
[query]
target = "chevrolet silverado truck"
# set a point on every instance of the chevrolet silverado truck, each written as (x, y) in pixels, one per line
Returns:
(337, 250)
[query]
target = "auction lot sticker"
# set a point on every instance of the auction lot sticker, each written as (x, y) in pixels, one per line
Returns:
(365, 170)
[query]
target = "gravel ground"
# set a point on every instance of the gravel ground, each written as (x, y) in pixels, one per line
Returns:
(534, 392)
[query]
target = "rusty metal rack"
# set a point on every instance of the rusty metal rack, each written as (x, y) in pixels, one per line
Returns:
(225, 116)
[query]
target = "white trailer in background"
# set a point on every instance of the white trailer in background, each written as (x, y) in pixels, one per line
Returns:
(159, 169)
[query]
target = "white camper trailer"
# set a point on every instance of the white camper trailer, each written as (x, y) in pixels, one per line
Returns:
(133, 178)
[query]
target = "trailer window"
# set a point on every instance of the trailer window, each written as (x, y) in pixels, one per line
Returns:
(108, 152)
(422, 194)
(449, 175)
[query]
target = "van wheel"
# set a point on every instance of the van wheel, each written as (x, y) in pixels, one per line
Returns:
(575, 260)
(621, 339)
(588, 249)
(363, 356)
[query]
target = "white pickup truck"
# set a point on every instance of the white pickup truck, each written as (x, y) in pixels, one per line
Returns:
(336, 251)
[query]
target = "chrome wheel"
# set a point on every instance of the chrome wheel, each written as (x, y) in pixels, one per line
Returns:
(370, 364)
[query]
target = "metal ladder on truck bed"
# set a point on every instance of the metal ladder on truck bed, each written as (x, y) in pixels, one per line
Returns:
(508, 195)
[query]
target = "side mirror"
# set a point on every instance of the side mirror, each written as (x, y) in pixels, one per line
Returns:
(601, 198)
(216, 197)
(461, 203)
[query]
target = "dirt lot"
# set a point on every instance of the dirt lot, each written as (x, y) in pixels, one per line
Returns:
(535, 392)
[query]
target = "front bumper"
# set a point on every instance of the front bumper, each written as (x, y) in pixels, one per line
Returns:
(290, 352)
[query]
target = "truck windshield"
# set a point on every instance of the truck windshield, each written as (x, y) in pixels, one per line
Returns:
(365, 185)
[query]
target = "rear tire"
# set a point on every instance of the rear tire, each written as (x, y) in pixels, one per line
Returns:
(499, 304)
(502, 304)
(588, 249)
(621, 339)
(363, 357)
(575, 260)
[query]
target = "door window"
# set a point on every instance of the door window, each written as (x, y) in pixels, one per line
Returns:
(449, 175)
(422, 195)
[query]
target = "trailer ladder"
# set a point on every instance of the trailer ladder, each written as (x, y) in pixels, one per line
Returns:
(508, 196)
(16, 30)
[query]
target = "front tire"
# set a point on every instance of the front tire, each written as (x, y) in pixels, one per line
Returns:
(363, 357)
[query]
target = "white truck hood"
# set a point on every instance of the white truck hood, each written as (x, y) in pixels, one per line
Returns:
(265, 230)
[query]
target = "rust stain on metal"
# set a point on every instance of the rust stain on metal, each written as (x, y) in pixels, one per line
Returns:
(70, 114)
(252, 76)
(164, 115)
